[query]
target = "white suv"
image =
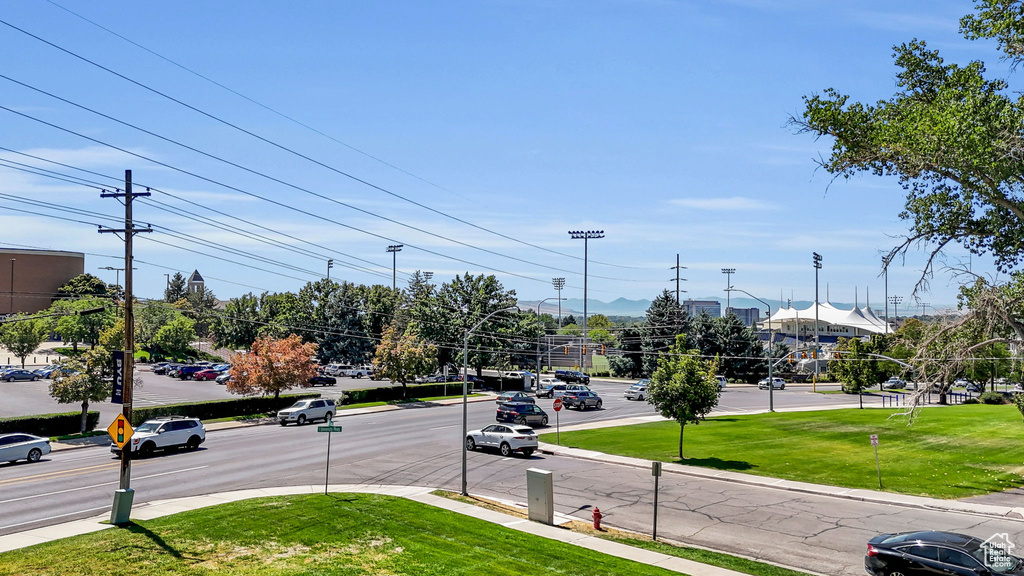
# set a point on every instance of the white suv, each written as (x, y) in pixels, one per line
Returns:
(304, 410)
(165, 433)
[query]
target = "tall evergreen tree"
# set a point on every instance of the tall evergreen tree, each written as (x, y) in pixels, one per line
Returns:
(176, 288)
(665, 320)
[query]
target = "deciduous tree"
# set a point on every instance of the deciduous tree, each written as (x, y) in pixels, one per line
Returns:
(82, 380)
(402, 357)
(176, 337)
(272, 365)
(22, 336)
(684, 387)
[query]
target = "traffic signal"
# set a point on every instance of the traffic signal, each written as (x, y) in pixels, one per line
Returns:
(814, 353)
(584, 350)
(791, 358)
(566, 351)
(602, 349)
(803, 355)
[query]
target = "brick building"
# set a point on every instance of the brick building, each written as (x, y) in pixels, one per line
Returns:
(29, 279)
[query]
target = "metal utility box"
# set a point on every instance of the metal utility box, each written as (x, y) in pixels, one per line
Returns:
(540, 493)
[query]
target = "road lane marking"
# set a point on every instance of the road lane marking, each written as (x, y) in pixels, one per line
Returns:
(58, 474)
(57, 516)
(99, 485)
(443, 427)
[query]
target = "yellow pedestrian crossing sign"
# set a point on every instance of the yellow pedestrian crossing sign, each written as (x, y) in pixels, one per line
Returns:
(120, 431)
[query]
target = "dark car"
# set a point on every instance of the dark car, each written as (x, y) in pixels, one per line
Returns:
(322, 380)
(549, 390)
(521, 413)
(931, 553)
(510, 397)
(163, 367)
(12, 375)
(581, 399)
(224, 378)
(572, 376)
(189, 372)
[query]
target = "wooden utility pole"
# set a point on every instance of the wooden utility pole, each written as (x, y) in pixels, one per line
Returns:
(124, 495)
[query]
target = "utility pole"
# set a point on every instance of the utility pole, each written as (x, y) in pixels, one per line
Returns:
(924, 306)
(124, 495)
(559, 283)
(585, 235)
(728, 288)
(394, 249)
(677, 268)
(817, 344)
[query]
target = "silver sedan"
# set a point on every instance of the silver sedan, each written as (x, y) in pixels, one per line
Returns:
(17, 446)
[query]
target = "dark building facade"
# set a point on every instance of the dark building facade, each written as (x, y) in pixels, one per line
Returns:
(29, 279)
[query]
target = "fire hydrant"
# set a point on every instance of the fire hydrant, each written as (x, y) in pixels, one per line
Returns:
(597, 518)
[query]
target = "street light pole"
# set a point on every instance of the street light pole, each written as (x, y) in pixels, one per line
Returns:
(559, 283)
(394, 249)
(817, 344)
(542, 331)
(465, 388)
(585, 236)
(728, 286)
(885, 268)
(771, 345)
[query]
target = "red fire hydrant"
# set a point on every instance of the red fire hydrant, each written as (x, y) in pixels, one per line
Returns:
(597, 518)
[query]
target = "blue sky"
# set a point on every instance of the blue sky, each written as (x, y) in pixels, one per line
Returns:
(662, 123)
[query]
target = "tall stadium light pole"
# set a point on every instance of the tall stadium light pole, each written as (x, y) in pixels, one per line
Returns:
(771, 345)
(586, 236)
(728, 286)
(330, 264)
(896, 301)
(428, 276)
(559, 298)
(559, 283)
(817, 344)
(465, 388)
(394, 249)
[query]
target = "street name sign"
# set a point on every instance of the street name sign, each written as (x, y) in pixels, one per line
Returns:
(328, 428)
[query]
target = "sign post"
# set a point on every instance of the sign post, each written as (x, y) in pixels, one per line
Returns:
(330, 427)
(120, 431)
(874, 443)
(656, 472)
(557, 405)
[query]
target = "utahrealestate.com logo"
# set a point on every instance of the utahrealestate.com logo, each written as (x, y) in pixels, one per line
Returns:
(997, 552)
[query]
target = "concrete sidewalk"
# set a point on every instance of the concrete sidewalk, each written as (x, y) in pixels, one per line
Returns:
(420, 494)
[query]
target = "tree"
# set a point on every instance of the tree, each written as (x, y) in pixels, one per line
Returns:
(81, 320)
(621, 366)
(177, 288)
(82, 380)
(601, 336)
(402, 357)
(684, 387)
(22, 336)
(272, 365)
(85, 285)
(665, 320)
(598, 321)
(149, 319)
(176, 337)
(570, 330)
(856, 368)
(240, 323)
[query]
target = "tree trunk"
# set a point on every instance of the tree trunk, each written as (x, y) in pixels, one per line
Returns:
(74, 346)
(85, 416)
(942, 397)
(682, 427)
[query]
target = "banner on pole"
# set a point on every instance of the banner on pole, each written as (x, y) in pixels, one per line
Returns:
(117, 395)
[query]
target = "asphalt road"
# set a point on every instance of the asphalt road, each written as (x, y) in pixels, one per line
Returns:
(422, 446)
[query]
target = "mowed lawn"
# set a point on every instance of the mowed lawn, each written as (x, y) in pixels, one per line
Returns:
(948, 452)
(336, 534)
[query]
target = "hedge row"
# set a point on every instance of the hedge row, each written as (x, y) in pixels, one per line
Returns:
(212, 409)
(50, 424)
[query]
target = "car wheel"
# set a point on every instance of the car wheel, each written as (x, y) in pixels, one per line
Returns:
(528, 452)
(520, 420)
(506, 450)
(146, 450)
(11, 379)
(470, 443)
(188, 377)
(193, 443)
(598, 405)
(640, 398)
(328, 416)
(34, 455)
(34, 378)
(284, 422)
(895, 573)
(783, 387)
(544, 421)
(301, 420)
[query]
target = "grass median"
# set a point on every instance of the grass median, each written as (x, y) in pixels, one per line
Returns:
(336, 534)
(949, 452)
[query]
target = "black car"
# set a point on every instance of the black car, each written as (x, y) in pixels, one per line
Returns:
(931, 553)
(572, 376)
(581, 399)
(322, 380)
(521, 414)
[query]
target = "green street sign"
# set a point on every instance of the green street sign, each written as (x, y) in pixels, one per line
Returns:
(328, 428)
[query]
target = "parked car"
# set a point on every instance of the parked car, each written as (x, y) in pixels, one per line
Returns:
(305, 410)
(208, 374)
(572, 376)
(224, 378)
(506, 397)
(359, 372)
(581, 399)
(320, 380)
(521, 413)
(637, 391)
(164, 433)
(931, 553)
(894, 382)
(18, 446)
(160, 367)
(45, 371)
(507, 439)
(12, 375)
(545, 382)
(189, 372)
(972, 387)
(777, 384)
(962, 383)
(721, 381)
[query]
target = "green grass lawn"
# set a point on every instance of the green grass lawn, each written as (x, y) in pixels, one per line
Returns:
(949, 452)
(337, 534)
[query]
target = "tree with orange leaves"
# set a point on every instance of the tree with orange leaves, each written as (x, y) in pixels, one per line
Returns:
(272, 365)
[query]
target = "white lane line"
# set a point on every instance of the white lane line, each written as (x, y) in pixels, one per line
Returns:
(57, 516)
(98, 485)
(443, 427)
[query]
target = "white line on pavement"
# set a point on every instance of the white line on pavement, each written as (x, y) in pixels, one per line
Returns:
(97, 485)
(443, 427)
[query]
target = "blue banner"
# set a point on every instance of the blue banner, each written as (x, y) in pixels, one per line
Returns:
(117, 396)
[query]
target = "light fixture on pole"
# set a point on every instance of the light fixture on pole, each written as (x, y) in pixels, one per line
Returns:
(394, 249)
(817, 344)
(771, 346)
(728, 286)
(896, 301)
(330, 264)
(428, 276)
(559, 283)
(542, 331)
(465, 388)
(585, 235)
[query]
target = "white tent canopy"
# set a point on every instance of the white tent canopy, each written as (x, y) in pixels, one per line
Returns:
(859, 321)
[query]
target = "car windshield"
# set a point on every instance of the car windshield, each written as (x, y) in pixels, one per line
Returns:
(301, 404)
(148, 427)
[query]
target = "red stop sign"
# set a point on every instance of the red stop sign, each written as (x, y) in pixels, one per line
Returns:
(557, 404)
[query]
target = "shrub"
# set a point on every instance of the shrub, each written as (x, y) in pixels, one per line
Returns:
(971, 401)
(993, 398)
(1018, 401)
(212, 409)
(49, 424)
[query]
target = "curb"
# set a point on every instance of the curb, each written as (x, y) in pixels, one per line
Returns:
(857, 494)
